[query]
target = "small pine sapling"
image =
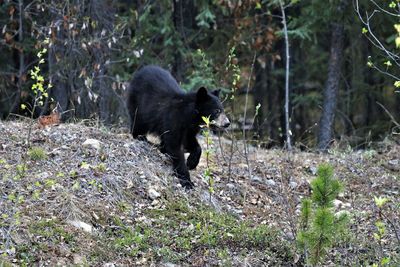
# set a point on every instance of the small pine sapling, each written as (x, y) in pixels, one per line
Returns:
(320, 227)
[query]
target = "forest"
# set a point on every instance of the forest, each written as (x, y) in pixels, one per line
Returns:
(341, 77)
(307, 174)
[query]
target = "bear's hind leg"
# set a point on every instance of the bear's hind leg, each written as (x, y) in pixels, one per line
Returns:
(138, 131)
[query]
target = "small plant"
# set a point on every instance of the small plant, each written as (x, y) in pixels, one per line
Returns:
(381, 230)
(203, 74)
(21, 171)
(95, 183)
(101, 167)
(73, 174)
(37, 153)
(234, 69)
(320, 227)
(39, 88)
(49, 183)
(207, 172)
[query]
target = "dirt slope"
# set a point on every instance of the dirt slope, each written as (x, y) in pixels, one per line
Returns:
(113, 201)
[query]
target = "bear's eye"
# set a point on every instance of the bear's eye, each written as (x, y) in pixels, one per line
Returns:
(215, 114)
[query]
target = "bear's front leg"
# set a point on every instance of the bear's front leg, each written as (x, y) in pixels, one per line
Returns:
(174, 150)
(193, 147)
(181, 170)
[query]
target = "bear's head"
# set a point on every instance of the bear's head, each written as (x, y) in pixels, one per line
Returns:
(209, 105)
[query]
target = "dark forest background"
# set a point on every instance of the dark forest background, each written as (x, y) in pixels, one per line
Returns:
(239, 46)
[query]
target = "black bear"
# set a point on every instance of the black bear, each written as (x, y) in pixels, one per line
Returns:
(157, 105)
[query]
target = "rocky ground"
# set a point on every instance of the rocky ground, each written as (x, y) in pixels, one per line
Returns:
(91, 196)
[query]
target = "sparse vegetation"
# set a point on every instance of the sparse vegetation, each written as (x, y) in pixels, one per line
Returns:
(41, 198)
(207, 152)
(181, 229)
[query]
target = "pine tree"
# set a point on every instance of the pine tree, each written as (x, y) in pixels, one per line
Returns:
(320, 228)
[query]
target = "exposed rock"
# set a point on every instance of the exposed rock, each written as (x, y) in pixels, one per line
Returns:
(270, 182)
(79, 260)
(292, 185)
(92, 143)
(205, 198)
(230, 186)
(337, 203)
(82, 225)
(393, 165)
(256, 179)
(43, 175)
(153, 194)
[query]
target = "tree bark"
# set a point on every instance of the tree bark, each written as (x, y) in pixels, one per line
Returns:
(21, 59)
(260, 89)
(177, 68)
(287, 72)
(331, 87)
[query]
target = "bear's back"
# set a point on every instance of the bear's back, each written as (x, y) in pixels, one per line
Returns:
(155, 80)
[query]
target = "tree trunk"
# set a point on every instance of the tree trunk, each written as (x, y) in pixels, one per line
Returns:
(61, 90)
(260, 89)
(331, 87)
(287, 72)
(21, 60)
(178, 67)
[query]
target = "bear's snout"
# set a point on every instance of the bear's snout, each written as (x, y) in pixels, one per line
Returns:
(222, 121)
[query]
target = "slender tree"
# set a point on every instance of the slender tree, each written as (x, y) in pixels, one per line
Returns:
(287, 68)
(332, 82)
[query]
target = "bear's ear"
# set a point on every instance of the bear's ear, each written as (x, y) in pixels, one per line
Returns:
(216, 92)
(201, 94)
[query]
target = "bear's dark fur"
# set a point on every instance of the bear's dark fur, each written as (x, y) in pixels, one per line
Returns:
(158, 105)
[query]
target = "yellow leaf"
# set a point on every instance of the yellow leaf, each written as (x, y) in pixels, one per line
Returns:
(23, 106)
(206, 120)
(388, 63)
(397, 41)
